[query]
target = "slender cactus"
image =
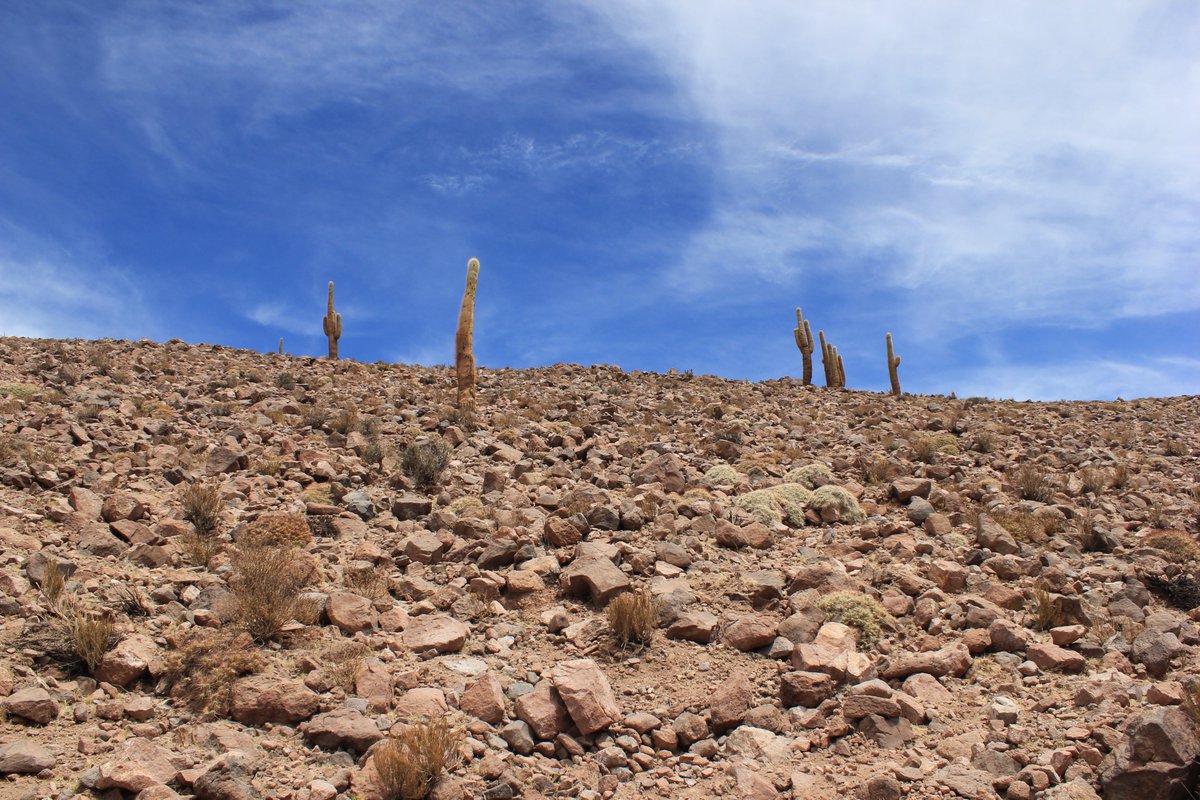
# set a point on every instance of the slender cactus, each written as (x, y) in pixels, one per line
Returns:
(464, 340)
(893, 363)
(280, 345)
(826, 359)
(332, 323)
(841, 369)
(804, 341)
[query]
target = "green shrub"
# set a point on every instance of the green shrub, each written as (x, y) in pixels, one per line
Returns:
(856, 610)
(835, 504)
(792, 498)
(810, 476)
(762, 505)
(424, 462)
(721, 475)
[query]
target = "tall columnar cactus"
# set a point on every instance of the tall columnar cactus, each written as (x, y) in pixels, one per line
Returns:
(464, 340)
(841, 369)
(332, 323)
(893, 364)
(826, 359)
(280, 345)
(804, 341)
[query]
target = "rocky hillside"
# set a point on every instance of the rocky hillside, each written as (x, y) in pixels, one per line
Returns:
(225, 574)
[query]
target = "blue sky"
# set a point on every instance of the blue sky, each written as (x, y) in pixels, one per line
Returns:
(1011, 188)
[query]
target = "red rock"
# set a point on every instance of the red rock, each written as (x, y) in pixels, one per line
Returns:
(808, 689)
(34, 704)
(426, 702)
(260, 699)
(24, 757)
(750, 632)
(435, 632)
(484, 699)
(693, 626)
(585, 691)
(128, 661)
(121, 506)
(730, 702)
(1055, 658)
(954, 660)
(136, 765)
(666, 470)
(350, 612)
(559, 532)
(904, 489)
(543, 710)
(342, 728)
(374, 682)
(595, 577)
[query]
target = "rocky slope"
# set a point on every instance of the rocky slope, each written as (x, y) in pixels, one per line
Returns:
(964, 598)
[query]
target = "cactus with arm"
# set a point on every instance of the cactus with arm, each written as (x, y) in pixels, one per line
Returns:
(332, 324)
(804, 340)
(893, 361)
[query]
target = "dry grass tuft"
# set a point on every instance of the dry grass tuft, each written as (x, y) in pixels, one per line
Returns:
(1032, 483)
(202, 669)
(425, 462)
(341, 663)
(1046, 613)
(74, 637)
(367, 582)
(53, 582)
(1094, 480)
(346, 421)
(202, 506)
(409, 765)
(632, 618)
(266, 586)
(1176, 546)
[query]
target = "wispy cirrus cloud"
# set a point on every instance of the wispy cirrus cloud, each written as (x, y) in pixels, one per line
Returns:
(1007, 162)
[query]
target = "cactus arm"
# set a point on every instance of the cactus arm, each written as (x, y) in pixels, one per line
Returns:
(464, 342)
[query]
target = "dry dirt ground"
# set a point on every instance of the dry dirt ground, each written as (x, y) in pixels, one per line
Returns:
(963, 598)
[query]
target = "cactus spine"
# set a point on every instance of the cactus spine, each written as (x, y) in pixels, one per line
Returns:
(332, 323)
(893, 361)
(804, 341)
(464, 356)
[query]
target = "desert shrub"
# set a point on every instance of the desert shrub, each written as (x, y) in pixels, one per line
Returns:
(285, 380)
(411, 763)
(984, 442)
(374, 451)
(1181, 591)
(318, 493)
(202, 506)
(73, 637)
(632, 618)
(1025, 526)
(368, 582)
(201, 670)
(462, 504)
(856, 610)
(90, 411)
(1176, 447)
(835, 502)
(341, 662)
(53, 582)
(346, 421)
(792, 498)
(277, 530)
(1176, 546)
(1046, 613)
(13, 450)
(810, 476)
(268, 466)
(266, 586)
(21, 391)
(1032, 483)
(762, 505)
(424, 462)
(321, 526)
(924, 449)
(1094, 480)
(1092, 540)
(222, 409)
(721, 475)
(877, 469)
(313, 416)
(1119, 479)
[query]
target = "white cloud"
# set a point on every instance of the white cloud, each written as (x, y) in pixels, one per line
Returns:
(1010, 162)
(1096, 379)
(49, 290)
